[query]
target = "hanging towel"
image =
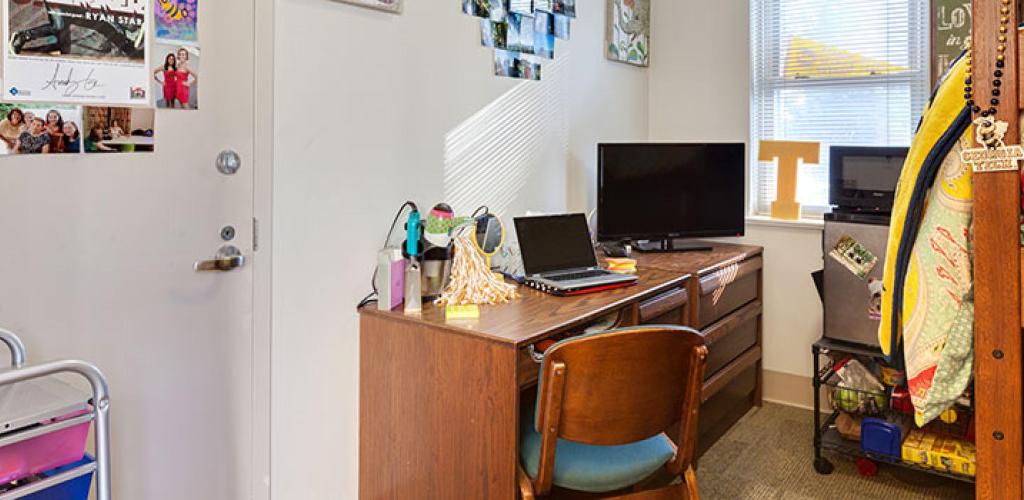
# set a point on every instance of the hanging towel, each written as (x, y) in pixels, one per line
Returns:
(927, 303)
(944, 121)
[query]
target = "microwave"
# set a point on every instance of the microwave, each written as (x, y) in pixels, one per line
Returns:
(863, 178)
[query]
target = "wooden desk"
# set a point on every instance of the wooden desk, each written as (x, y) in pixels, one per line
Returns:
(439, 401)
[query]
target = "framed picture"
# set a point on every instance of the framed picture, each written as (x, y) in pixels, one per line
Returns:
(385, 5)
(950, 27)
(628, 34)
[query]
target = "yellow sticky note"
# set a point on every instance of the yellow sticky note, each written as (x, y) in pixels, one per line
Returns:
(471, 311)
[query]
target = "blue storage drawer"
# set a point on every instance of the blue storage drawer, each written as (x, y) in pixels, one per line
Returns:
(75, 489)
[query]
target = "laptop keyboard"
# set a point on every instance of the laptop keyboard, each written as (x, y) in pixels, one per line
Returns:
(577, 276)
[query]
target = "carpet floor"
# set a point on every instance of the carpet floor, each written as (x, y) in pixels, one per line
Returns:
(769, 455)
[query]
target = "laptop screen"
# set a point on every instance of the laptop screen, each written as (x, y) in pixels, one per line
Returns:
(554, 243)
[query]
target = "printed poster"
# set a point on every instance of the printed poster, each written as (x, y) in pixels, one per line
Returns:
(176, 20)
(71, 51)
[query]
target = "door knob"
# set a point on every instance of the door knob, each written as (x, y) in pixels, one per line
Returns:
(227, 259)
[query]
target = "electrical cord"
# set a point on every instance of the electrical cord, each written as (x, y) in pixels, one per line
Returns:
(372, 296)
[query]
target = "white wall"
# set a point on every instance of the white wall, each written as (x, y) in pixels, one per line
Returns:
(400, 102)
(700, 91)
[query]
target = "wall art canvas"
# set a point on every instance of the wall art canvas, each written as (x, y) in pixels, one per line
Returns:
(176, 20)
(385, 5)
(71, 51)
(628, 35)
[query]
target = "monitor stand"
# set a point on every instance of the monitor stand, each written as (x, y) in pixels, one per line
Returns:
(671, 245)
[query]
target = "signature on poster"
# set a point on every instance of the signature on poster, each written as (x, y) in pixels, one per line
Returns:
(69, 87)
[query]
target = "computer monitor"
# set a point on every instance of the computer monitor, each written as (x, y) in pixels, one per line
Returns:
(659, 191)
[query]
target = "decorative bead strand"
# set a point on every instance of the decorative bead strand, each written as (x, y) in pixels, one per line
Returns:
(1004, 21)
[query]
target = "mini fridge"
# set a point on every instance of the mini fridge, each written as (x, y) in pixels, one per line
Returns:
(854, 248)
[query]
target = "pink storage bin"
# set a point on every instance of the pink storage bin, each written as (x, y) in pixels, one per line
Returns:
(42, 453)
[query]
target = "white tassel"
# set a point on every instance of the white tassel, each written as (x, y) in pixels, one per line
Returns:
(471, 280)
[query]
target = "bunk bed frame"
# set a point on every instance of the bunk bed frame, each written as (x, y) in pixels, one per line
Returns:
(997, 270)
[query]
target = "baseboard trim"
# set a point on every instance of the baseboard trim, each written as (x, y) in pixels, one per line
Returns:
(791, 390)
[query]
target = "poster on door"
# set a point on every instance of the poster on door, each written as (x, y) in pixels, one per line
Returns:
(177, 20)
(76, 51)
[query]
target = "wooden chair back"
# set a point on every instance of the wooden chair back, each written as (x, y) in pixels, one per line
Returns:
(619, 387)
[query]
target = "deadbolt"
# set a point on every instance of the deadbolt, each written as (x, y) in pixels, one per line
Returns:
(228, 162)
(227, 233)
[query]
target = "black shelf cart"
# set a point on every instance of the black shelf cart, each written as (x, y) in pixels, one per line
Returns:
(826, 434)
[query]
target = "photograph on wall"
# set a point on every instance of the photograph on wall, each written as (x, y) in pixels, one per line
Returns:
(628, 34)
(514, 65)
(521, 6)
(565, 7)
(520, 33)
(176, 77)
(40, 128)
(490, 9)
(385, 5)
(118, 129)
(543, 35)
(562, 24)
(493, 34)
(72, 51)
(176, 20)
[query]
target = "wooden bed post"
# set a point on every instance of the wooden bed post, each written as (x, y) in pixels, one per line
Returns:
(997, 268)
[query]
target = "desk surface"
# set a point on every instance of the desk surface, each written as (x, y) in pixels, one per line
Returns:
(536, 314)
(698, 263)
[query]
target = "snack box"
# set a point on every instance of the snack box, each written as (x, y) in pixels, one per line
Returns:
(940, 452)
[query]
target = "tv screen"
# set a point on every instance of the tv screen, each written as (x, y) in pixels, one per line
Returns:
(663, 191)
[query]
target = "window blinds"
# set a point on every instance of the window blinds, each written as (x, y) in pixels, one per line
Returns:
(842, 72)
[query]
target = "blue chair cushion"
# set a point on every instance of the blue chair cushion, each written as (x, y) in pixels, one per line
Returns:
(595, 469)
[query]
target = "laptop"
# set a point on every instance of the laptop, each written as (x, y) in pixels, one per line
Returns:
(559, 258)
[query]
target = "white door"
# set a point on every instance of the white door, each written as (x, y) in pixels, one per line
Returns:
(96, 263)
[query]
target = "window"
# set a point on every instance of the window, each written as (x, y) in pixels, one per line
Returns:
(843, 72)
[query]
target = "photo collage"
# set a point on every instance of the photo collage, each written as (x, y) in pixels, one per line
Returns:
(521, 32)
(60, 50)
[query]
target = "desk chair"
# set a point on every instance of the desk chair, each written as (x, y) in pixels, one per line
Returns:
(604, 403)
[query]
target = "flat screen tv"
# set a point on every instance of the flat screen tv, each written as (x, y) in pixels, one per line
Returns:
(663, 191)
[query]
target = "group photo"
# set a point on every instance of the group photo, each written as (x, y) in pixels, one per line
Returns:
(40, 129)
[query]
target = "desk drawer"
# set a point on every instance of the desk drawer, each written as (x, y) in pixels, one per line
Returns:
(668, 308)
(719, 413)
(740, 286)
(731, 336)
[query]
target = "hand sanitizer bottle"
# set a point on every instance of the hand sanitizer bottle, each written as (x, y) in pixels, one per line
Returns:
(413, 297)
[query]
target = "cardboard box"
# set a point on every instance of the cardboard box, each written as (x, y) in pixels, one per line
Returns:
(940, 452)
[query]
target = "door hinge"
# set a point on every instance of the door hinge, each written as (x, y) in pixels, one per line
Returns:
(255, 234)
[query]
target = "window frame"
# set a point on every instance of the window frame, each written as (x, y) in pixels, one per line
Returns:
(767, 52)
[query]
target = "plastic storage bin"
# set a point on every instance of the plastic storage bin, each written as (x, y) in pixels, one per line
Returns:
(75, 489)
(881, 438)
(42, 453)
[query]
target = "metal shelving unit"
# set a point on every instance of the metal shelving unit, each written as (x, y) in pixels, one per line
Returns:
(30, 400)
(826, 435)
